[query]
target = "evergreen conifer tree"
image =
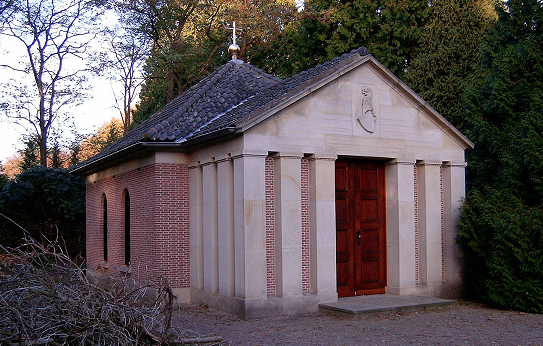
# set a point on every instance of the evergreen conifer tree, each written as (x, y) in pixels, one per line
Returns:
(506, 108)
(30, 155)
(390, 29)
(448, 58)
(501, 227)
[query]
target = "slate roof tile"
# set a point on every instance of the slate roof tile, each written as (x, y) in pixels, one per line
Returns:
(274, 93)
(218, 92)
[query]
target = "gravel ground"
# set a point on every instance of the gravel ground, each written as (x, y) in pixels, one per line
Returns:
(465, 324)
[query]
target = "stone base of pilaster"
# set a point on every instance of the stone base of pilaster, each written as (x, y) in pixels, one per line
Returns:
(446, 290)
(259, 308)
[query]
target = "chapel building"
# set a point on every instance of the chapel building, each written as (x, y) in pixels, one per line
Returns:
(263, 196)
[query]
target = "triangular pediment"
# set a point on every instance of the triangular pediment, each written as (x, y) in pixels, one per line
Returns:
(361, 99)
(358, 110)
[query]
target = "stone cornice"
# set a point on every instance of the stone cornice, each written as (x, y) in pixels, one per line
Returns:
(400, 163)
(222, 159)
(240, 156)
(459, 165)
(425, 163)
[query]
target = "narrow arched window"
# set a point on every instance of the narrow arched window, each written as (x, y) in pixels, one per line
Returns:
(126, 227)
(104, 225)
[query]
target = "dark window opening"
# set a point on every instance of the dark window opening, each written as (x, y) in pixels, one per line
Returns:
(126, 227)
(104, 225)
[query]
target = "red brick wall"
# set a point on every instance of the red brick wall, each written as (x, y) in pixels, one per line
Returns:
(94, 225)
(270, 228)
(172, 219)
(417, 246)
(159, 223)
(306, 283)
(442, 224)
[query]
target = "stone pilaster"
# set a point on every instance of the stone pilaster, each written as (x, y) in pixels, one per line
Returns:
(401, 277)
(429, 211)
(249, 226)
(225, 215)
(322, 211)
(288, 224)
(209, 225)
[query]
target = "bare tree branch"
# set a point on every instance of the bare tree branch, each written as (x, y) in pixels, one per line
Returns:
(126, 60)
(55, 37)
(47, 299)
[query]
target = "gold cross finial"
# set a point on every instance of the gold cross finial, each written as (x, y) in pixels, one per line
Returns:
(233, 28)
(234, 48)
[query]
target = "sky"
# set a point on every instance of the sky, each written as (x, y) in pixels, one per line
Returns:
(87, 117)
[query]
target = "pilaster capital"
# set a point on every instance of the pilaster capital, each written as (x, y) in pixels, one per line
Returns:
(449, 164)
(287, 155)
(223, 158)
(194, 164)
(243, 154)
(207, 162)
(322, 157)
(398, 162)
(429, 163)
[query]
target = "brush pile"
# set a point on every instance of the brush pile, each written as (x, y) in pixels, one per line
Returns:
(47, 299)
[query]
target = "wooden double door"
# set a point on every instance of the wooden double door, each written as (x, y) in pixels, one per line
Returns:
(360, 227)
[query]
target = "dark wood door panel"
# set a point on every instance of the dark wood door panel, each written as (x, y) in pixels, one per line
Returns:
(360, 225)
(369, 210)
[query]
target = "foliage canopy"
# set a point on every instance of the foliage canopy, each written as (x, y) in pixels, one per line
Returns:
(390, 29)
(448, 58)
(500, 230)
(47, 203)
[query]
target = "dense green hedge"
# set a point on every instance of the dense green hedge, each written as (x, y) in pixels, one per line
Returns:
(48, 203)
(502, 240)
(500, 229)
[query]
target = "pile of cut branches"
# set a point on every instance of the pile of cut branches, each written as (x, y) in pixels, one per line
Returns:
(47, 299)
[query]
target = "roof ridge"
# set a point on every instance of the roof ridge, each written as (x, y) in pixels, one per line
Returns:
(261, 72)
(199, 90)
(363, 51)
(241, 64)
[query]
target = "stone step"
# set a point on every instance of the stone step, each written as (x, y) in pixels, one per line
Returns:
(372, 305)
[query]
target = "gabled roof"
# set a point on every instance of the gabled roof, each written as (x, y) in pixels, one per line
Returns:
(224, 89)
(275, 94)
(232, 99)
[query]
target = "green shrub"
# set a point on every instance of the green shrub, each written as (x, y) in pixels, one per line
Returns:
(48, 203)
(502, 241)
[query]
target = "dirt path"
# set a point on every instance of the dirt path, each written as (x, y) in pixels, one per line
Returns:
(465, 324)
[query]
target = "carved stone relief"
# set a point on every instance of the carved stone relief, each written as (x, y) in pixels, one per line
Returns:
(368, 118)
